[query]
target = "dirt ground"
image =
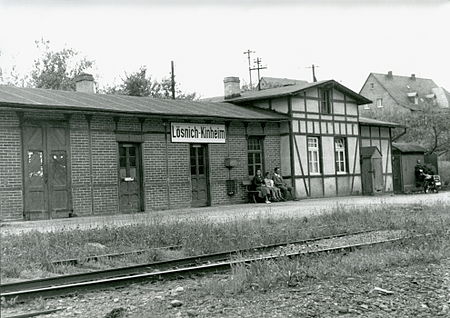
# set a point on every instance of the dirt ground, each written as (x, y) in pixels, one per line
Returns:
(299, 208)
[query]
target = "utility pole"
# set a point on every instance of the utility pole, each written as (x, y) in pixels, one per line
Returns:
(258, 67)
(249, 52)
(172, 80)
(313, 67)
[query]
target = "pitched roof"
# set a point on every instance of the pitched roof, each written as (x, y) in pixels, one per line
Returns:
(375, 122)
(46, 99)
(399, 86)
(271, 82)
(289, 90)
(408, 147)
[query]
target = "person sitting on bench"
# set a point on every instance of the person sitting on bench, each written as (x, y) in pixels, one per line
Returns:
(281, 184)
(275, 192)
(258, 183)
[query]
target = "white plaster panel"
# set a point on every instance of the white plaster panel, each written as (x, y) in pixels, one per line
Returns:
(310, 127)
(339, 108)
(328, 155)
(285, 154)
(300, 190)
(343, 131)
(302, 126)
(329, 186)
(302, 149)
(336, 129)
(316, 187)
(312, 106)
(352, 109)
(338, 94)
(313, 92)
(316, 127)
(330, 128)
(298, 104)
(357, 185)
(349, 129)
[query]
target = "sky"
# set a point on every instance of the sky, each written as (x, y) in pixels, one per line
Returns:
(347, 39)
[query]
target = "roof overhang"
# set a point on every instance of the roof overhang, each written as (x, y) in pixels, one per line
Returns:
(18, 107)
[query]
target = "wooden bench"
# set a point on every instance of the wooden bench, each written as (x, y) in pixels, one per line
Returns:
(252, 194)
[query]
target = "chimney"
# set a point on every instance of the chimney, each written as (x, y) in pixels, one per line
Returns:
(389, 74)
(413, 77)
(85, 83)
(232, 87)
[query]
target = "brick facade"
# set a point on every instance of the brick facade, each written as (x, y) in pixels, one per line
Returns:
(166, 168)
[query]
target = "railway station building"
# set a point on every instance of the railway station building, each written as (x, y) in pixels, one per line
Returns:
(80, 153)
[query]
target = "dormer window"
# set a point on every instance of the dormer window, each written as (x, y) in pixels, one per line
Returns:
(413, 97)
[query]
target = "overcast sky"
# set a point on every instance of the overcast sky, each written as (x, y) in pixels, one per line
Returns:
(347, 39)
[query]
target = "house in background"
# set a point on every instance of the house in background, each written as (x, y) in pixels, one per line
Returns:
(400, 94)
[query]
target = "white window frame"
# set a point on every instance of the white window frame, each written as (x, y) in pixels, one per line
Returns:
(340, 159)
(379, 102)
(313, 155)
(367, 106)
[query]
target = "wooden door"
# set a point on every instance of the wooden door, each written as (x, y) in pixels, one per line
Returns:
(397, 173)
(377, 175)
(199, 175)
(130, 178)
(46, 171)
(366, 173)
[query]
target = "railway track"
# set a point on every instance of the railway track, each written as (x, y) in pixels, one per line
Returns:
(69, 284)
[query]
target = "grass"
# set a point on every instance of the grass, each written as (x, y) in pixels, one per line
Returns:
(32, 253)
(268, 275)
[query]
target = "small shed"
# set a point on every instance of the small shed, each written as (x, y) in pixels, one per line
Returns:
(371, 171)
(404, 160)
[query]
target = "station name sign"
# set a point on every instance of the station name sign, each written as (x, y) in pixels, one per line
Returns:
(197, 133)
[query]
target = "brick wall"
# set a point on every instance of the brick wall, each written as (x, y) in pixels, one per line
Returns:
(160, 181)
(11, 204)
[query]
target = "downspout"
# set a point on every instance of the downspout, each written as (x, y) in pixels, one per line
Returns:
(397, 137)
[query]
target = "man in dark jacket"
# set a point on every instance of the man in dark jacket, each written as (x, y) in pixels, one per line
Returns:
(281, 184)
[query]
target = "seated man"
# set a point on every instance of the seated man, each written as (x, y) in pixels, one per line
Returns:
(258, 183)
(279, 183)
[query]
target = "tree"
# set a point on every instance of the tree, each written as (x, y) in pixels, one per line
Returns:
(57, 69)
(141, 84)
(429, 127)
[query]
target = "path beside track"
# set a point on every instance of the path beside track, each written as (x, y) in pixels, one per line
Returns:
(300, 208)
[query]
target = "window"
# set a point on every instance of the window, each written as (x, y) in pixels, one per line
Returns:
(379, 102)
(372, 85)
(255, 155)
(313, 153)
(367, 106)
(339, 155)
(325, 101)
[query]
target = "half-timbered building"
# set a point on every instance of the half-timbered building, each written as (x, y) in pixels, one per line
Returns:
(80, 153)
